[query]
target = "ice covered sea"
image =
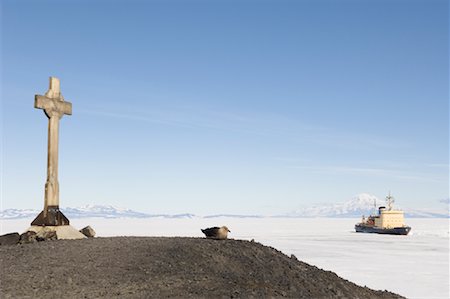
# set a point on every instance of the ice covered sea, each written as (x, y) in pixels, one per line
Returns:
(415, 266)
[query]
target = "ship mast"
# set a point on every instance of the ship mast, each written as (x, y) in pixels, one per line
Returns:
(389, 200)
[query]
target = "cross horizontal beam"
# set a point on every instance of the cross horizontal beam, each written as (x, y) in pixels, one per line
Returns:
(51, 105)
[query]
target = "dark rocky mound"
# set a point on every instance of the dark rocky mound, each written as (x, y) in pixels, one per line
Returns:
(137, 267)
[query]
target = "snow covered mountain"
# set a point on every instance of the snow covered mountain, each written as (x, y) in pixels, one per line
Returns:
(361, 204)
(16, 213)
(101, 211)
(233, 216)
(90, 211)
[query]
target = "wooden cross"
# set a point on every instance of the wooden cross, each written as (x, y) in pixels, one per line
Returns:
(54, 107)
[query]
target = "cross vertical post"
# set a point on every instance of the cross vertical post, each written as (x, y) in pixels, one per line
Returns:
(54, 108)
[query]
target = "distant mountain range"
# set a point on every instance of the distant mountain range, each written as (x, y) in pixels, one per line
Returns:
(90, 211)
(361, 204)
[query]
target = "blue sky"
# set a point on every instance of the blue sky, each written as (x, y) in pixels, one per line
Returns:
(228, 106)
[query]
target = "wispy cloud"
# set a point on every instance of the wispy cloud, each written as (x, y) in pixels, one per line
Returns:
(150, 118)
(203, 118)
(445, 201)
(438, 165)
(271, 125)
(380, 172)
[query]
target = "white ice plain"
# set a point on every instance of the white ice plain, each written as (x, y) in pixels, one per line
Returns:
(415, 266)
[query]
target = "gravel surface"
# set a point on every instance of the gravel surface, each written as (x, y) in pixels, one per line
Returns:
(149, 267)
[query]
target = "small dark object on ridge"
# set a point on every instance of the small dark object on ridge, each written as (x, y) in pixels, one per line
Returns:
(218, 233)
(46, 236)
(28, 237)
(88, 231)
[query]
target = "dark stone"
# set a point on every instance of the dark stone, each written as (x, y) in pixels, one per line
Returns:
(28, 237)
(88, 231)
(46, 235)
(10, 239)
